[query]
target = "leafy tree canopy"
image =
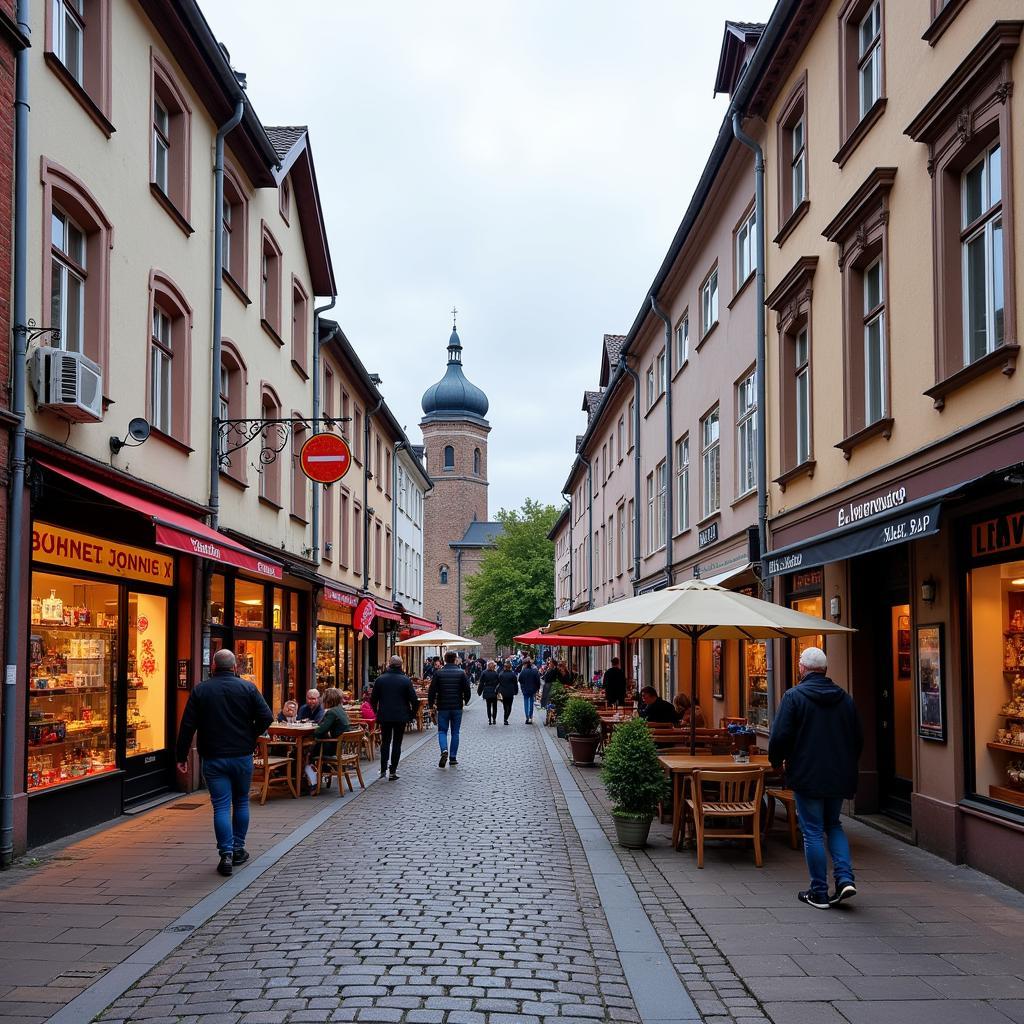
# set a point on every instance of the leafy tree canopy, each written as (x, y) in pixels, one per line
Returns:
(514, 589)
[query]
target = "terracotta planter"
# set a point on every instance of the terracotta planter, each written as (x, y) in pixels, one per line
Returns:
(584, 749)
(632, 832)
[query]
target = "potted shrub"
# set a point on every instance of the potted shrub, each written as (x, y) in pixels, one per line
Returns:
(583, 727)
(635, 781)
(557, 699)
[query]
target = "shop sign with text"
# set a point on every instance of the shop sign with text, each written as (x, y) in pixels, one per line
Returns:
(708, 535)
(363, 616)
(856, 511)
(1001, 534)
(336, 596)
(70, 550)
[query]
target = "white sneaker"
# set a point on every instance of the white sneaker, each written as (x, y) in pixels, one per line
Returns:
(311, 777)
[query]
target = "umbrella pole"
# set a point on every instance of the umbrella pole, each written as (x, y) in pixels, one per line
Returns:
(693, 693)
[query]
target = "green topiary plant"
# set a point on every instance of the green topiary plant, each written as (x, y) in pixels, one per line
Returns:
(580, 718)
(558, 697)
(631, 772)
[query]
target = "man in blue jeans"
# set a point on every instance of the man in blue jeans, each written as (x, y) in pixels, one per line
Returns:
(229, 714)
(449, 692)
(529, 687)
(817, 735)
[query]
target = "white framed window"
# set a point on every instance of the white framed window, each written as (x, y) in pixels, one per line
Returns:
(610, 564)
(620, 533)
(69, 36)
(224, 403)
(683, 341)
(161, 146)
(802, 388)
(67, 281)
(661, 512)
(651, 545)
(798, 163)
(709, 303)
(651, 393)
(442, 575)
(746, 435)
(711, 468)
(683, 483)
(630, 530)
(620, 434)
(982, 247)
(874, 344)
(630, 420)
(161, 372)
(745, 256)
(869, 57)
(661, 372)
(225, 231)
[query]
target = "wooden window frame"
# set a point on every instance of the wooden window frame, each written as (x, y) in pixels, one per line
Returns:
(236, 253)
(942, 17)
(852, 125)
(681, 340)
(94, 93)
(742, 419)
(705, 449)
(300, 329)
(299, 504)
(748, 223)
(706, 330)
(165, 86)
(344, 527)
(270, 475)
(284, 199)
(164, 294)
(794, 111)
(271, 280)
(234, 468)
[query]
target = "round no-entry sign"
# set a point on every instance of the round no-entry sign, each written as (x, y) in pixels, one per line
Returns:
(325, 458)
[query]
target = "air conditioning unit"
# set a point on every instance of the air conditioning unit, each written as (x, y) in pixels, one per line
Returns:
(68, 384)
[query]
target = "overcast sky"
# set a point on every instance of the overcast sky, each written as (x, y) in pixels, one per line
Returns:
(527, 161)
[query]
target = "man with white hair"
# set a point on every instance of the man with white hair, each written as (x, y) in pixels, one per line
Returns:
(229, 714)
(817, 735)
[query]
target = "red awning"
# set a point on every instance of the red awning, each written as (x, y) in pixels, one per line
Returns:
(420, 625)
(387, 613)
(536, 638)
(179, 531)
(336, 596)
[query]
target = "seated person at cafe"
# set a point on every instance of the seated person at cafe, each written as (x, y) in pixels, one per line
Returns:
(312, 710)
(290, 711)
(654, 709)
(333, 722)
(366, 710)
(683, 708)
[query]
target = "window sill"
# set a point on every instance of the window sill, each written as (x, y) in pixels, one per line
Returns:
(654, 405)
(226, 474)
(85, 101)
(270, 503)
(681, 533)
(236, 288)
(708, 519)
(300, 369)
(168, 204)
(745, 496)
(272, 331)
(791, 222)
(679, 370)
(942, 21)
(296, 518)
(707, 334)
(1005, 357)
(882, 426)
(863, 126)
(742, 288)
(171, 441)
(804, 469)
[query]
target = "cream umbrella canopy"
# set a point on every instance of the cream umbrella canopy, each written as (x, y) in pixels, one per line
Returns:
(437, 638)
(694, 610)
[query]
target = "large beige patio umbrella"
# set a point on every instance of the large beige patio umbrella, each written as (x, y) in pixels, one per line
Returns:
(438, 638)
(694, 610)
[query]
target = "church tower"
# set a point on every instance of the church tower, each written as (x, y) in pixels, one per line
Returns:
(455, 527)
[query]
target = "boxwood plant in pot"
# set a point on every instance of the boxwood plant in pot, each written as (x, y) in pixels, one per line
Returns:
(557, 699)
(635, 781)
(582, 726)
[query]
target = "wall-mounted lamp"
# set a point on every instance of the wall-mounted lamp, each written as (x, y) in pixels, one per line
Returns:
(834, 608)
(928, 590)
(138, 432)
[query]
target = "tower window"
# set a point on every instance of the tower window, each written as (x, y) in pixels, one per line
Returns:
(476, 461)
(449, 457)
(442, 575)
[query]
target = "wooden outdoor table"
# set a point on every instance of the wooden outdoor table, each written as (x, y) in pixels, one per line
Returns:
(680, 766)
(302, 734)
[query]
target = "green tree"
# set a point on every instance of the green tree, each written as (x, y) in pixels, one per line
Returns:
(514, 589)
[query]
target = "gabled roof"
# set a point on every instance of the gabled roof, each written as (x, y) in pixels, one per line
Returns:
(480, 535)
(559, 522)
(284, 137)
(591, 401)
(738, 42)
(611, 349)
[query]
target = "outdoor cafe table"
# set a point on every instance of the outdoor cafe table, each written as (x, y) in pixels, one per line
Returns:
(301, 733)
(681, 766)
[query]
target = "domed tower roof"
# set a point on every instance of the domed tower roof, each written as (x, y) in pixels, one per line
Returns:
(453, 397)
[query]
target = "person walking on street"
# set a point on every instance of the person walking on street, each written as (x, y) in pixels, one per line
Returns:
(508, 687)
(488, 689)
(229, 714)
(529, 687)
(449, 692)
(395, 703)
(615, 685)
(551, 676)
(817, 735)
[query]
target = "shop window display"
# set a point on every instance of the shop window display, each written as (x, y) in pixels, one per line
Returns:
(249, 604)
(146, 727)
(809, 606)
(755, 682)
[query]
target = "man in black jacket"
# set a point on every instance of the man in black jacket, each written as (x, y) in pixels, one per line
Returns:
(229, 714)
(656, 709)
(817, 734)
(529, 687)
(449, 692)
(394, 702)
(615, 685)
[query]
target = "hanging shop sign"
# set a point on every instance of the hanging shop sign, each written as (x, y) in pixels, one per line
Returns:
(709, 535)
(69, 550)
(336, 596)
(1001, 534)
(325, 458)
(362, 617)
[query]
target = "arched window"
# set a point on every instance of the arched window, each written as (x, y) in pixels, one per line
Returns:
(235, 231)
(234, 376)
(449, 457)
(443, 575)
(171, 152)
(270, 473)
(169, 355)
(476, 461)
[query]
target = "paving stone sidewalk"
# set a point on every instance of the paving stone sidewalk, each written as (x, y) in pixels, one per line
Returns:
(925, 942)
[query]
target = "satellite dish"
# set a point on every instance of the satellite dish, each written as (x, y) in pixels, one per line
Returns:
(138, 429)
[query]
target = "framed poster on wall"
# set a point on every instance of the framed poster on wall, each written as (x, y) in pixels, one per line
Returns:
(717, 670)
(931, 716)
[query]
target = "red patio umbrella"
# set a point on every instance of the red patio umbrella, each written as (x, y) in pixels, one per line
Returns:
(538, 638)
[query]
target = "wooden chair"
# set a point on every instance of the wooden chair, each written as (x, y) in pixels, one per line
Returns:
(335, 761)
(275, 764)
(739, 796)
(786, 797)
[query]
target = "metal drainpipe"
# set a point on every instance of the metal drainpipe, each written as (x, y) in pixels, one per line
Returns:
(659, 312)
(399, 445)
(16, 525)
(458, 590)
(636, 467)
(590, 545)
(317, 399)
(761, 417)
(572, 593)
(366, 524)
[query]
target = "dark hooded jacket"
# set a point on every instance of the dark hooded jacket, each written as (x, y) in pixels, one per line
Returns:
(508, 684)
(817, 733)
(488, 688)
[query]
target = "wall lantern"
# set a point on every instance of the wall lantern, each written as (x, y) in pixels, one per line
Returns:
(928, 590)
(834, 608)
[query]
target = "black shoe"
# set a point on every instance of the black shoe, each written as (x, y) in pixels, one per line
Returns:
(240, 857)
(505, 722)
(845, 891)
(225, 866)
(453, 762)
(813, 899)
(393, 776)
(383, 772)
(444, 759)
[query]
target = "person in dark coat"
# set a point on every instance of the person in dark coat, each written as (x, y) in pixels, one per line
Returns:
(395, 703)
(229, 714)
(449, 692)
(508, 687)
(615, 685)
(488, 689)
(529, 687)
(817, 735)
(313, 709)
(551, 676)
(655, 709)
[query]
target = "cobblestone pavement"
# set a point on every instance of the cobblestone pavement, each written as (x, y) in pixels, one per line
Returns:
(449, 897)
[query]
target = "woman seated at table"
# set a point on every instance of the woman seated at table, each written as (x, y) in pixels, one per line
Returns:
(655, 709)
(334, 722)
(366, 710)
(290, 711)
(686, 711)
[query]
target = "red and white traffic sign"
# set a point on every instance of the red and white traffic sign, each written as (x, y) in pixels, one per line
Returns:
(325, 458)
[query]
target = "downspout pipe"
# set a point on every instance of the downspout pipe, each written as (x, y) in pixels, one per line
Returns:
(669, 454)
(761, 414)
(370, 413)
(399, 446)
(317, 402)
(572, 593)
(16, 512)
(636, 467)
(590, 544)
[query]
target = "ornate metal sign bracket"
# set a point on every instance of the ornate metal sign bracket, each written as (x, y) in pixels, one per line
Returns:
(273, 434)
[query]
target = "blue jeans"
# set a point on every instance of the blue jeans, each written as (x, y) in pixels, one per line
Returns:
(528, 699)
(819, 821)
(229, 780)
(446, 720)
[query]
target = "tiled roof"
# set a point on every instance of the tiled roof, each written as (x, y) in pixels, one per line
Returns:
(579, 441)
(746, 27)
(613, 346)
(480, 535)
(591, 400)
(284, 137)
